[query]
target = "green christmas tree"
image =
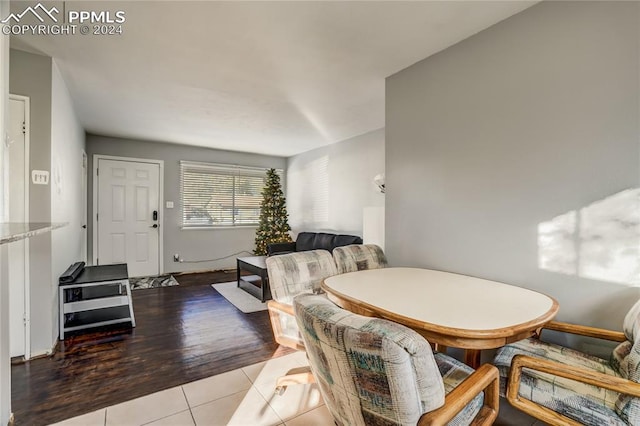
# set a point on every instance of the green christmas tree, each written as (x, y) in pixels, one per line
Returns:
(274, 225)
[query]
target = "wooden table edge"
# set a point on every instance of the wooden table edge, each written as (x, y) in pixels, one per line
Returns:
(449, 336)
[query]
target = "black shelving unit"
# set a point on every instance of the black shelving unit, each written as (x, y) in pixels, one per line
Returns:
(100, 295)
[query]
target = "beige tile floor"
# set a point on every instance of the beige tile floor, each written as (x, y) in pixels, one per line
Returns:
(239, 397)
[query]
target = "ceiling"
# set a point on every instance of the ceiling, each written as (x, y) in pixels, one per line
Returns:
(277, 78)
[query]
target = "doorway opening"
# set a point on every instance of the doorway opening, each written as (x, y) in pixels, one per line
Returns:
(17, 181)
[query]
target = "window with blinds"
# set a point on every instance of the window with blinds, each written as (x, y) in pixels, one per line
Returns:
(220, 195)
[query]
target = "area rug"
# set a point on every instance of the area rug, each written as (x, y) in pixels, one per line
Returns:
(152, 282)
(239, 298)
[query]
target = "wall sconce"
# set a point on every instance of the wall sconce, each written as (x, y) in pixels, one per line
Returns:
(378, 180)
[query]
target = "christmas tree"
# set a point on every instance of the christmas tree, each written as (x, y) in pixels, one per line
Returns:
(274, 225)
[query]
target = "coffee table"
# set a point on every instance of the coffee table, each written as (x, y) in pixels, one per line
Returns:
(256, 285)
(447, 309)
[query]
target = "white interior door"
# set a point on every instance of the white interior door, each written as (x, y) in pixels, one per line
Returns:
(18, 155)
(128, 229)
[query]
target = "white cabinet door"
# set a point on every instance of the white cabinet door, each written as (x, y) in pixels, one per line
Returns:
(128, 230)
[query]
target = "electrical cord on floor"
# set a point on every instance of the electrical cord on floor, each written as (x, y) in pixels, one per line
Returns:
(220, 258)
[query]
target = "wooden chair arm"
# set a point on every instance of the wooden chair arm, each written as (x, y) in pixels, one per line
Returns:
(276, 309)
(486, 378)
(593, 378)
(583, 330)
(282, 307)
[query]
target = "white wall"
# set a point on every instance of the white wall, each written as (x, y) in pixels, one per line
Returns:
(328, 187)
(508, 154)
(5, 359)
(67, 144)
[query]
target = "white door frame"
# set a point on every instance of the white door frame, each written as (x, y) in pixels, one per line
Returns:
(85, 207)
(27, 180)
(96, 158)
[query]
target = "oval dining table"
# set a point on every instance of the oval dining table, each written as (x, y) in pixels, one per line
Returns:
(447, 309)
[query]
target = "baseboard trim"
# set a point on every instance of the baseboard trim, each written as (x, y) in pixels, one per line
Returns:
(227, 271)
(44, 354)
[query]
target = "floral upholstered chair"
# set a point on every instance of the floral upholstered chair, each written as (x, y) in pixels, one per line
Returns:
(562, 386)
(357, 257)
(376, 372)
(290, 275)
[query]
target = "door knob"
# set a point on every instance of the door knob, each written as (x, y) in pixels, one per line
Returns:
(155, 225)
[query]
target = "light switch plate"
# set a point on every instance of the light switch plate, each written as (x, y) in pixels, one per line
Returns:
(40, 177)
(169, 204)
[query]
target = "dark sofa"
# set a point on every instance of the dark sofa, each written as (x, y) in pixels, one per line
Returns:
(313, 241)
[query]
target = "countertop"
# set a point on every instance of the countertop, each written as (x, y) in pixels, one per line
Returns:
(15, 231)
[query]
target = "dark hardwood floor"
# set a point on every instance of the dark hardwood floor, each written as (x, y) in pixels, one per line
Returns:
(184, 333)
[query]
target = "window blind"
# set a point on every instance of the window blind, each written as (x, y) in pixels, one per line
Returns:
(220, 195)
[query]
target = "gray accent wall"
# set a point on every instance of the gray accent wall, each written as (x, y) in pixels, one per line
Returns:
(30, 75)
(514, 156)
(328, 187)
(192, 245)
(56, 143)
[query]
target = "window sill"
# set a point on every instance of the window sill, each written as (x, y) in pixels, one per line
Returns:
(216, 228)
